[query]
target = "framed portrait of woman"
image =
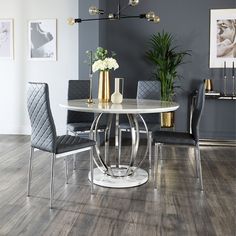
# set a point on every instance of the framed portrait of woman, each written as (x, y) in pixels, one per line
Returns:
(222, 38)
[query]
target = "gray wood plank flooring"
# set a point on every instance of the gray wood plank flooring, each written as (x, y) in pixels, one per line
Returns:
(177, 207)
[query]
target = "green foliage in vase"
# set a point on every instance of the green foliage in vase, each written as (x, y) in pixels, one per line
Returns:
(166, 58)
(102, 54)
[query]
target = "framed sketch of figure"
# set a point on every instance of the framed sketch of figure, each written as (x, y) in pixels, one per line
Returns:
(6, 39)
(222, 38)
(42, 39)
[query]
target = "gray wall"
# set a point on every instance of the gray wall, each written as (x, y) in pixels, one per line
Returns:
(188, 20)
(88, 39)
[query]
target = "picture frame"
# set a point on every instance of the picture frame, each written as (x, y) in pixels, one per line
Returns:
(6, 39)
(222, 38)
(42, 37)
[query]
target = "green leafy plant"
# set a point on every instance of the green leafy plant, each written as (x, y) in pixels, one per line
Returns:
(166, 59)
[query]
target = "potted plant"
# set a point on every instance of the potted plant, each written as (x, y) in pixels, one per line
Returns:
(166, 57)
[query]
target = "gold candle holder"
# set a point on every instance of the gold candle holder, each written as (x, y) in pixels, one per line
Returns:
(208, 85)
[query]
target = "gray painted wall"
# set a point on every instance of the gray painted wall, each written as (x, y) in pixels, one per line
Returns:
(88, 39)
(188, 20)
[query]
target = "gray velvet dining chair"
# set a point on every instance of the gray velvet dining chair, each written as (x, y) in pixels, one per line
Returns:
(188, 139)
(44, 137)
(79, 123)
(145, 90)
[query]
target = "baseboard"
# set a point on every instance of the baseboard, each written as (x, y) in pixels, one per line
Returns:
(25, 130)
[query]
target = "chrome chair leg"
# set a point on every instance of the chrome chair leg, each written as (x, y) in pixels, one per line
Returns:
(91, 169)
(150, 149)
(156, 157)
(66, 169)
(52, 179)
(119, 145)
(74, 162)
(30, 171)
(199, 167)
(196, 162)
(160, 151)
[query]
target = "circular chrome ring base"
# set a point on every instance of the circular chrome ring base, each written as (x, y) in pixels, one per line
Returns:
(138, 178)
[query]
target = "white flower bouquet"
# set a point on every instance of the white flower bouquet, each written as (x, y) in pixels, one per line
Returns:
(103, 62)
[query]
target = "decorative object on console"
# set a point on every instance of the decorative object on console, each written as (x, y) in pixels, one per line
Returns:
(233, 78)
(225, 79)
(103, 63)
(93, 10)
(117, 97)
(222, 37)
(208, 85)
(166, 59)
(6, 39)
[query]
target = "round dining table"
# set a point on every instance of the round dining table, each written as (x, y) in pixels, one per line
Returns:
(111, 173)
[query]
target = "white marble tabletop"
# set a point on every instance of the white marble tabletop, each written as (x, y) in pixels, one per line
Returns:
(128, 106)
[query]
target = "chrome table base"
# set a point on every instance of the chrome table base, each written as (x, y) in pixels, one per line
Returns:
(116, 175)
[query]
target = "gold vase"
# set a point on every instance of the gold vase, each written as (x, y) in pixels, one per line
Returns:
(167, 119)
(104, 87)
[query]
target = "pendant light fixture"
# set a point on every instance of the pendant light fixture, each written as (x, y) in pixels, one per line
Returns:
(118, 15)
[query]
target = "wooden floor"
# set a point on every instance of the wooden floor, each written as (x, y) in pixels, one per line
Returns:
(177, 207)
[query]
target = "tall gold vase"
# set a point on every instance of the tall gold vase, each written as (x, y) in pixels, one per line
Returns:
(104, 87)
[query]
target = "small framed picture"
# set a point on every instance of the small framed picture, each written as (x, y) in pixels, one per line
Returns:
(6, 39)
(42, 39)
(222, 38)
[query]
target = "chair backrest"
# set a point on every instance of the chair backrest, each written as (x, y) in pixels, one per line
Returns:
(43, 133)
(78, 89)
(197, 111)
(149, 90)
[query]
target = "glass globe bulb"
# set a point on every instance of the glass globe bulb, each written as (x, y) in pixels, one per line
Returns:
(70, 21)
(111, 16)
(93, 10)
(156, 19)
(133, 2)
(150, 15)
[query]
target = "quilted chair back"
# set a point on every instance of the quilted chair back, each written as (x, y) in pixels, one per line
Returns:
(197, 111)
(43, 133)
(78, 89)
(149, 90)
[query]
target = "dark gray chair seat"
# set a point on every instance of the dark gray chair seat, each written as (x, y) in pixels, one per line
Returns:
(190, 139)
(44, 137)
(175, 138)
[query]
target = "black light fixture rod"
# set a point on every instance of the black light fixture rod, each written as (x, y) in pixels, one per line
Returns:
(102, 18)
(107, 18)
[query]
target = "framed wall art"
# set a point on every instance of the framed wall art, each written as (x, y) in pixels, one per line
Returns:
(6, 39)
(42, 39)
(222, 38)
